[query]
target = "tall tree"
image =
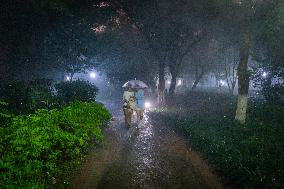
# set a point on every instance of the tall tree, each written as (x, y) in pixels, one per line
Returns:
(243, 75)
(248, 11)
(148, 19)
(188, 28)
(68, 47)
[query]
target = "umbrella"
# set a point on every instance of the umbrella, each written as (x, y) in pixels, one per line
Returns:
(135, 84)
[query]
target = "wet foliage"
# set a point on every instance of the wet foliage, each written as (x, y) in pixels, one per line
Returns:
(250, 155)
(15, 95)
(151, 40)
(76, 90)
(26, 97)
(38, 151)
(5, 116)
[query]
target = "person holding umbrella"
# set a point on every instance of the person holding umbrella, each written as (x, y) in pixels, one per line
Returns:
(133, 100)
(129, 103)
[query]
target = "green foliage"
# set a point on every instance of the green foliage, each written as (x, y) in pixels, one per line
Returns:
(15, 94)
(40, 95)
(274, 94)
(251, 155)
(23, 98)
(76, 90)
(4, 114)
(35, 148)
(266, 113)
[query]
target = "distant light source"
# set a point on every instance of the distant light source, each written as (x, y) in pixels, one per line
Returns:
(147, 104)
(179, 82)
(68, 78)
(222, 83)
(93, 75)
(99, 29)
(264, 74)
(169, 82)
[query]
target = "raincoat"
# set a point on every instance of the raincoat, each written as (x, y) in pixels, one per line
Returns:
(129, 100)
(128, 106)
(140, 99)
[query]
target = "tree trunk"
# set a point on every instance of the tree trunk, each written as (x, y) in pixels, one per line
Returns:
(161, 86)
(197, 78)
(266, 88)
(173, 84)
(71, 76)
(243, 76)
(241, 108)
(233, 87)
(195, 83)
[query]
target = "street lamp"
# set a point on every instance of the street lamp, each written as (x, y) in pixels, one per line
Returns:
(222, 83)
(264, 74)
(179, 82)
(93, 75)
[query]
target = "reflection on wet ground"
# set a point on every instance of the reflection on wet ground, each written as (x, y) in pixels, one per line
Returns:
(147, 155)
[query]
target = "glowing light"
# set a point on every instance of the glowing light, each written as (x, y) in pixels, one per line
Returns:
(93, 75)
(264, 74)
(99, 29)
(169, 82)
(179, 82)
(147, 104)
(104, 4)
(222, 83)
(68, 78)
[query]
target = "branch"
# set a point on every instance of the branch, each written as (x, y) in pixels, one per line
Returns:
(191, 45)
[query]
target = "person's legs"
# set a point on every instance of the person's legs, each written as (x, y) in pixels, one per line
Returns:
(125, 116)
(128, 116)
(140, 109)
(141, 113)
(138, 114)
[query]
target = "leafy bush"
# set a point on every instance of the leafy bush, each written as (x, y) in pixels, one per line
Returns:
(268, 113)
(274, 94)
(15, 94)
(35, 149)
(5, 116)
(40, 95)
(71, 91)
(24, 98)
(250, 156)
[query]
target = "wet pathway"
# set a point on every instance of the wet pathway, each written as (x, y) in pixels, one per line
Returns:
(148, 155)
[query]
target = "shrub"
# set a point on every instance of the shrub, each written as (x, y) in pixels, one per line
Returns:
(274, 94)
(24, 98)
(5, 116)
(40, 94)
(70, 91)
(250, 156)
(15, 94)
(38, 147)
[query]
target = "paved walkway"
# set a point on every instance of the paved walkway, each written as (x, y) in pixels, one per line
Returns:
(148, 155)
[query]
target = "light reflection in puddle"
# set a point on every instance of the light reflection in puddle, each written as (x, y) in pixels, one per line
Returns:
(144, 151)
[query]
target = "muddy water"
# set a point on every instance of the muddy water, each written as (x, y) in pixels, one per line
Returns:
(147, 155)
